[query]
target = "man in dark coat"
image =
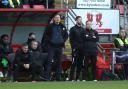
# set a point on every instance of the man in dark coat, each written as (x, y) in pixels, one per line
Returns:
(77, 48)
(90, 38)
(54, 39)
(22, 62)
(38, 59)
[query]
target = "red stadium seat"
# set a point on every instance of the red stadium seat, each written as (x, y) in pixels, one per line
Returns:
(15, 47)
(26, 7)
(120, 8)
(101, 63)
(38, 7)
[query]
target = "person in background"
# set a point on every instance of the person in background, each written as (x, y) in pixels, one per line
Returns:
(4, 4)
(50, 3)
(31, 37)
(34, 2)
(15, 3)
(22, 62)
(54, 39)
(5, 46)
(38, 59)
(121, 42)
(77, 48)
(90, 38)
(5, 50)
(11, 3)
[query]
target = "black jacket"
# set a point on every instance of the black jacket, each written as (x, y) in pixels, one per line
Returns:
(22, 58)
(48, 35)
(75, 37)
(5, 49)
(90, 43)
(38, 58)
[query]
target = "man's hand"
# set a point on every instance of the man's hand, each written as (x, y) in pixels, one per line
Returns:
(26, 66)
(94, 36)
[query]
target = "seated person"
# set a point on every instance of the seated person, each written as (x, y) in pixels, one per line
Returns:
(5, 46)
(10, 3)
(22, 62)
(39, 2)
(50, 3)
(31, 37)
(38, 59)
(32, 2)
(5, 50)
(121, 42)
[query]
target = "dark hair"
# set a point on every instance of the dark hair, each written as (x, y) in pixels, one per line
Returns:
(57, 14)
(87, 22)
(77, 17)
(4, 35)
(31, 34)
(121, 32)
(24, 44)
(33, 40)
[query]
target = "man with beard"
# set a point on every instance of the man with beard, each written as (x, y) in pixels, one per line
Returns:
(32, 37)
(38, 60)
(77, 48)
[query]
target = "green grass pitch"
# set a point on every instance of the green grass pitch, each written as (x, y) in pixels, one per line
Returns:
(67, 85)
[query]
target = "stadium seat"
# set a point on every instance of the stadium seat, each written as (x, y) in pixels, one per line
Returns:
(26, 6)
(120, 8)
(38, 7)
(104, 64)
(15, 47)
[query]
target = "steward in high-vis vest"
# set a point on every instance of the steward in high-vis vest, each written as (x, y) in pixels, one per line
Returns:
(121, 41)
(10, 3)
(15, 3)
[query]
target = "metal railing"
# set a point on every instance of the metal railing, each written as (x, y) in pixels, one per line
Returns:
(112, 50)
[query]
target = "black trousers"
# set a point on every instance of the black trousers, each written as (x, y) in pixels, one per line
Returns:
(90, 59)
(77, 64)
(18, 72)
(33, 70)
(54, 57)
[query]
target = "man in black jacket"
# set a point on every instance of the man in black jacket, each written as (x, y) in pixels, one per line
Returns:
(54, 39)
(38, 60)
(22, 61)
(77, 48)
(90, 38)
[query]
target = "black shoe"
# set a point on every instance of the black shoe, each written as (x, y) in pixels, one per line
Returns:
(43, 78)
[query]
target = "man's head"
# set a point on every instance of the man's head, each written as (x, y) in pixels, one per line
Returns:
(79, 20)
(25, 47)
(122, 33)
(5, 39)
(57, 19)
(88, 25)
(34, 44)
(32, 36)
